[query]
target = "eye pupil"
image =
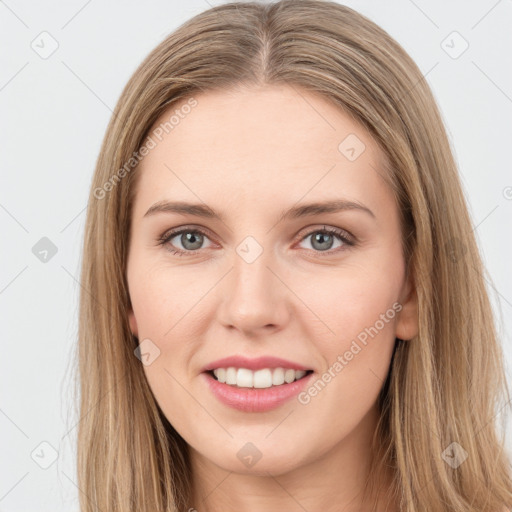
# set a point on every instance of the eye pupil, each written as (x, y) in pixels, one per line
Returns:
(195, 238)
(321, 237)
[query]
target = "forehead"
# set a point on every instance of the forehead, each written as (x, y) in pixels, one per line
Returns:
(258, 144)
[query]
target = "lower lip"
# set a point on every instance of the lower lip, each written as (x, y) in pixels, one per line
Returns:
(255, 399)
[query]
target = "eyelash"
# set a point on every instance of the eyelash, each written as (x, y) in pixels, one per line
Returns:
(347, 240)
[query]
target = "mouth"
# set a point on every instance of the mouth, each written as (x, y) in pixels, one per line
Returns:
(256, 391)
(259, 379)
(258, 384)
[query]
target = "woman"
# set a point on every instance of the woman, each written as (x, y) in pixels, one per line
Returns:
(282, 302)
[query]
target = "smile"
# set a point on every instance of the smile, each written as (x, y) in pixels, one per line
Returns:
(251, 398)
(263, 378)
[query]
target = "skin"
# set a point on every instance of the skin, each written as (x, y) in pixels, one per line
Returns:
(250, 154)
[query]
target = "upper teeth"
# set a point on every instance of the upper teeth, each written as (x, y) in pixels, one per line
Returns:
(244, 378)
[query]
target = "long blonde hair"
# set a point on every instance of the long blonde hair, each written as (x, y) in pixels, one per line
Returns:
(444, 386)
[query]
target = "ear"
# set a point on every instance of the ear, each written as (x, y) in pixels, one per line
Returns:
(407, 324)
(133, 323)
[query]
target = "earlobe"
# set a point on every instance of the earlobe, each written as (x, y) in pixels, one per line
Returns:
(133, 323)
(407, 324)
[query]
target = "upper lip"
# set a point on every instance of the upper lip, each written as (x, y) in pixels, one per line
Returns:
(254, 364)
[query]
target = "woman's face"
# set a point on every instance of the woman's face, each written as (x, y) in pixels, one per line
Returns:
(260, 274)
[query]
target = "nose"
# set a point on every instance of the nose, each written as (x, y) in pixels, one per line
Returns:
(254, 298)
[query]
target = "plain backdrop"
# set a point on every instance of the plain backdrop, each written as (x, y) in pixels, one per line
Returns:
(63, 66)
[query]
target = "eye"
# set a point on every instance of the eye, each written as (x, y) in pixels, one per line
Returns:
(322, 240)
(190, 239)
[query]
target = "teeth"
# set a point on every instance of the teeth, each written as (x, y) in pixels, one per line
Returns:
(289, 376)
(278, 377)
(230, 376)
(265, 378)
(244, 378)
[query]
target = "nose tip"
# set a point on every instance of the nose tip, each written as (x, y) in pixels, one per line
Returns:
(253, 297)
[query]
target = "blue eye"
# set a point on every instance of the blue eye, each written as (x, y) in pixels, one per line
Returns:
(192, 239)
(323, 239)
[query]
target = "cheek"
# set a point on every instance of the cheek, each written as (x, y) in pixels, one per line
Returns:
(359, 305)
(361, 309)
(354, 298)
(167, 306)
(163, 303)
(162, 297)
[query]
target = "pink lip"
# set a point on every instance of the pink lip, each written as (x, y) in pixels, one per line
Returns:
(255, 399)
(254, 364)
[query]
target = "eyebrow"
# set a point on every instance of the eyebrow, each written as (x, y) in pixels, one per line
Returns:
(202, 210)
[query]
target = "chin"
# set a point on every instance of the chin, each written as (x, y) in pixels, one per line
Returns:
(257, 459)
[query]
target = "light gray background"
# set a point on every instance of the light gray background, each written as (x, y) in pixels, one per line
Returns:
(54, 112)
